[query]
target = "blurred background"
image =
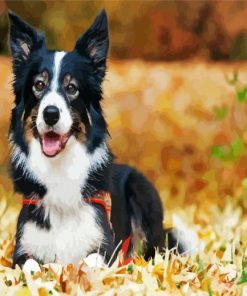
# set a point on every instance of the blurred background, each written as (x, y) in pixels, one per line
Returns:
(149, 30)
(175, 91)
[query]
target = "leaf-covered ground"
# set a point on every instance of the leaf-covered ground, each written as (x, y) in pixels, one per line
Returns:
(184, 125)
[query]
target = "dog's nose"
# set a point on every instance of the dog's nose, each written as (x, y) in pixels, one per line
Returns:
(51, 115)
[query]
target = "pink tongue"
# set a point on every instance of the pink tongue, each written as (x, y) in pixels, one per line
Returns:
(51, 144)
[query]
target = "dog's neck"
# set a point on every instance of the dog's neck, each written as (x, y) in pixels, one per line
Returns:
(65, 179)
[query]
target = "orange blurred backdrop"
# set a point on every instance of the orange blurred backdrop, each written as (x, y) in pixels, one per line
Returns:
(170, 98)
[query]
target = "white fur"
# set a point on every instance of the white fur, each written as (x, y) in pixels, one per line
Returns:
(65, 174)
(59, 55)
(187, 237)
(74, 229)
(31, 266)
(53, 98)
(70, 239)
(19, 160)
(95, 260)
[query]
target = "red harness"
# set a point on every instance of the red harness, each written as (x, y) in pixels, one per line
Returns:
(102, 198)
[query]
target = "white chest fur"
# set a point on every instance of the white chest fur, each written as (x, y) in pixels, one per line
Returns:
(74, 229)
(70, 239)
(64, 175)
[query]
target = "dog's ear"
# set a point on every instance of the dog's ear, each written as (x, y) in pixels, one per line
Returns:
(94, 43)
(23, 39)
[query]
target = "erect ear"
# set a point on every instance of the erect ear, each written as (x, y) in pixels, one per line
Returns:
(95, 41)
(23, 39)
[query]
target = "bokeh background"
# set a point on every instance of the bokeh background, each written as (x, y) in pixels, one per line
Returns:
(175, 97)
(175, 92)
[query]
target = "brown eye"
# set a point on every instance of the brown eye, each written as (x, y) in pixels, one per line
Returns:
(39, 85)
(71, 89)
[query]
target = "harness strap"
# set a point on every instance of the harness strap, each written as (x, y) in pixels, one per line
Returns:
(124, 249)
(102, 198)
(30, 201)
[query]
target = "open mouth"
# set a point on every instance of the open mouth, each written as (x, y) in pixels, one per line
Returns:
(53, 143)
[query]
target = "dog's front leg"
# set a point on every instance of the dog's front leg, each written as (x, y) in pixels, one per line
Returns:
(104, 255)
(19, 257)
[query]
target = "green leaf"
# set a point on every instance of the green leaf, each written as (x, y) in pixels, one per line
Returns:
(201, 268)
(210, 292)
(243, 277)
(229, 152)
(242, 94)
(238, 148)
(130, 268)
(140, 250)
(244, 183)
(222, 249)
(220, 112)
(221, 152)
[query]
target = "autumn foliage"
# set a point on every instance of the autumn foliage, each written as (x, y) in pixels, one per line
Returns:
(153, 30)
(184, 125)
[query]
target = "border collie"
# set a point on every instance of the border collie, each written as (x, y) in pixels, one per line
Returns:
(60, 159)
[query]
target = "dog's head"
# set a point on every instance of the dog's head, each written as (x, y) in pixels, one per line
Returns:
(58, 93)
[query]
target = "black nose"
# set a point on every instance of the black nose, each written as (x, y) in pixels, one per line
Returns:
(51, 115)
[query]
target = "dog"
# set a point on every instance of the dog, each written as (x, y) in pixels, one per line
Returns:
(78, 204)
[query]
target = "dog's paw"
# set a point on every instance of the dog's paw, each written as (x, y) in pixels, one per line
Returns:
(95, 260)
(31, 266)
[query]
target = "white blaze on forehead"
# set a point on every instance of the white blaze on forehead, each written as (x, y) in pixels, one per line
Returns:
(58, 57)
(54, 98)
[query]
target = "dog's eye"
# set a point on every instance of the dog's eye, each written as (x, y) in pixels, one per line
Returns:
(39, 85)
(71, 89)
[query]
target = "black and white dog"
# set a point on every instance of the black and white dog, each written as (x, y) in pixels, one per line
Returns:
(60, 157)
